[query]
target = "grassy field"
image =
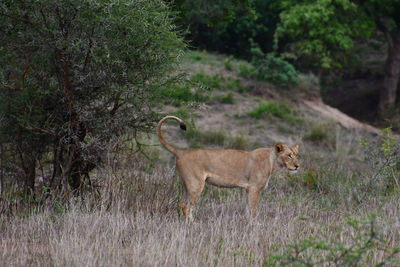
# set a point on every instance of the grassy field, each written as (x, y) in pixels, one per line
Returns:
(134, 221)
(341, 209)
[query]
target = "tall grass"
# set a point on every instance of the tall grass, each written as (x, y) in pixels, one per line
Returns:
(132, 219)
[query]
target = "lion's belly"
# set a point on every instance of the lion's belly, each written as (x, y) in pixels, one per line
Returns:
(226, 181)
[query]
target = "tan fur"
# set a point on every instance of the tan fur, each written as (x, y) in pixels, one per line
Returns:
(250, 170)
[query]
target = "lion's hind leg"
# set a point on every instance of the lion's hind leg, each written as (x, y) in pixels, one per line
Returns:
(182, 205)
(194, 194)
(193, 186)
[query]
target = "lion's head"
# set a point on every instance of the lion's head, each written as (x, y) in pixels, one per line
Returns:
(288, 157)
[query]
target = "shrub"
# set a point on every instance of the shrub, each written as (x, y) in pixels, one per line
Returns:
(226, 99)
(271, 109)
(384, 160)
(228, 63)
(232, 84)
(367, 240)
(317, 134)
(246, 70)
(276, 71)
(210, 82)
(180, 94)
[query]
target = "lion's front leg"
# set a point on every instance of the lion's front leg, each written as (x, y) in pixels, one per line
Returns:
(253, 198)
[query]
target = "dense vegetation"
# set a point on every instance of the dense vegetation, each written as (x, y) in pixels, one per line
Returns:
(76, 74)
(314, 35)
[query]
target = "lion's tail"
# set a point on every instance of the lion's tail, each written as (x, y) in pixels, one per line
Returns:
(162, 140)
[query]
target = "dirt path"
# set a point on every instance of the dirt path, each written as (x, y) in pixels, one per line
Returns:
(340, 117)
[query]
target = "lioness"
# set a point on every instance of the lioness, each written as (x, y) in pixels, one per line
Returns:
(227, 168)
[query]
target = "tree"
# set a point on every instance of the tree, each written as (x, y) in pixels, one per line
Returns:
(324, 30)
(386, 16)
(227, 26)
(320, 31)
(76, 73)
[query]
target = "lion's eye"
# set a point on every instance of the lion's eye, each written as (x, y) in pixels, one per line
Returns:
(290, 156)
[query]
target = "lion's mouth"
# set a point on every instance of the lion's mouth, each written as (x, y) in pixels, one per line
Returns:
(293, 170)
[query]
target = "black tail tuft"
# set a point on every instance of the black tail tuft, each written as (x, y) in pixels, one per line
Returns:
(183, 126)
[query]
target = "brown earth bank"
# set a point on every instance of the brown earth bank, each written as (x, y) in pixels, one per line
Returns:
(356, 96)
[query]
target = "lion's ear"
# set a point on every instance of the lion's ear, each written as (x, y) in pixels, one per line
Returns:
(296, 147)
(278, 147)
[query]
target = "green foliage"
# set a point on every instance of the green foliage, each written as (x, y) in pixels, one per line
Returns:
(385, 161)
(232, 84)
(227, 26)
(75, 74)
(388, 143)
(219, 249)
(198, 138)
(228, 63)
(182, 113)
(243, 89)
(181, 94)
(210, 82)
(269, 68)
(392, 118)
(272, 109)
(246, 70)
(321, 31)
(317, 134)
(367, 241)
(276, 71)
(226, 99)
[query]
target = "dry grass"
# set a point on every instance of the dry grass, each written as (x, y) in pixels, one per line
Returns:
(133, 220)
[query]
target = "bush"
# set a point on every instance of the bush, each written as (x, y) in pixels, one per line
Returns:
(317, 134)
(226, 99)
(276, 71)
(210, 82)
(271, 110)
(384, 158)
(311, 251)
(246, 70)
(181, 94)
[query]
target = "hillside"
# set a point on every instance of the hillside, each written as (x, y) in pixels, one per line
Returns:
(243, 113)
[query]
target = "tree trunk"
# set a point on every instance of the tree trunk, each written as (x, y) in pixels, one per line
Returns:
(30, 174)
(1, 169)
(388, 93)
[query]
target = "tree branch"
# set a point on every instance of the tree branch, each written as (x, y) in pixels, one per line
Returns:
(36, 129)
(382, 27)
